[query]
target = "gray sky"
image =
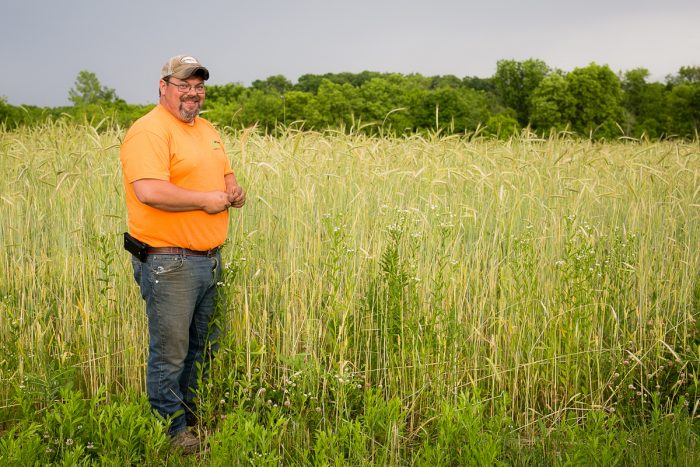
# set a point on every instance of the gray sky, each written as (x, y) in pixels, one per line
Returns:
(45, 43)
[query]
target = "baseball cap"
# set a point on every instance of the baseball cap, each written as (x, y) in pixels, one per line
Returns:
(182, 67)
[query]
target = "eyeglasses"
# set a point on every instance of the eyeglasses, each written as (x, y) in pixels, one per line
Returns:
(185, 87)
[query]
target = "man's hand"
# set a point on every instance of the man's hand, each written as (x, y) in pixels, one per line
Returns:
(215, 201)
(236, 196)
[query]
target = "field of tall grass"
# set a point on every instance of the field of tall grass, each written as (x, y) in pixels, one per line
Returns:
(426, 300)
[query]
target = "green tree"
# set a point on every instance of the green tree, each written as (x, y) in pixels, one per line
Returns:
(514, 83)
(686, 75)
(452, 109)
(502, 126)
(644, 103)
(445, 81)
(263, 108)
(552, 104)
(276, 84)
(6, 112)
(337, 104)
(88, 90)
(308, 83)
(633, 84)
(684, 107)
(224, 93)
(597, 95)
(311, 83)
(380, 96)
(386, 101)
(300, 106)
(479, 84)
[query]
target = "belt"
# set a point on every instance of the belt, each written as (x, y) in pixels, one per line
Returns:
(168, 250)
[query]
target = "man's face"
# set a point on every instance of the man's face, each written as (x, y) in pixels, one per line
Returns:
(185, 105)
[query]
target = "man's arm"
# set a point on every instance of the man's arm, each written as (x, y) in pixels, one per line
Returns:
(161, 194)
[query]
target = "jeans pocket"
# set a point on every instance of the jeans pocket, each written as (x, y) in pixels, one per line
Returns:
(216, 271)
(166, 264)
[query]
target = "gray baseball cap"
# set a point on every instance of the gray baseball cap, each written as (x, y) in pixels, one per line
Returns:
(183, 67)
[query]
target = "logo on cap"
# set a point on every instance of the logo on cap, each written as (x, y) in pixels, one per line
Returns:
(188, 60)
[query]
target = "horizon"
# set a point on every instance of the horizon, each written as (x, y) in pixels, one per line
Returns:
(295, 82)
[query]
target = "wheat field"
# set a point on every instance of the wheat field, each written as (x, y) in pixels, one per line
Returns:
(556, 276)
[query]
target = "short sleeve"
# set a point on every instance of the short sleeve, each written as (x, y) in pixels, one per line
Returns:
(145, 154)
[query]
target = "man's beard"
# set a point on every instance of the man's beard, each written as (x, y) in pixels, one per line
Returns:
(186, 115)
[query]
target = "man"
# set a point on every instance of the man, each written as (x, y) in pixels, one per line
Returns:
(179, 187)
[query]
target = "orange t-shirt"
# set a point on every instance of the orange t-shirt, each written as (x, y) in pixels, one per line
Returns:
(191, 156)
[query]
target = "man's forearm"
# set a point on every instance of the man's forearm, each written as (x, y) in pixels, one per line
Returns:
(161, 194)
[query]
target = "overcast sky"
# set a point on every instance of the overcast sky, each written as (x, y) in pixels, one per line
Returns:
(45, 43)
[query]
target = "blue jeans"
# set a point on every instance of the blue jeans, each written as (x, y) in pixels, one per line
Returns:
(179, 292)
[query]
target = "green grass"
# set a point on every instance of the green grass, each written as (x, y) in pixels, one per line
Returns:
(425, 300)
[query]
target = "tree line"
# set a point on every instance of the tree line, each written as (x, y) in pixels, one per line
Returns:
(591, 101)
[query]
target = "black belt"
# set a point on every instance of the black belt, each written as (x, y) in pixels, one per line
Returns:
(168, 250)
